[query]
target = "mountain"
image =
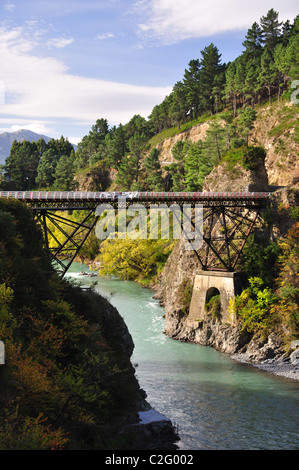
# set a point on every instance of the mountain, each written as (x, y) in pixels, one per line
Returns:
(7, 138)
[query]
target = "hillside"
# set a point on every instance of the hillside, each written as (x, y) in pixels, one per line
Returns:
(275, 129)
(7, 138)
(67, 382)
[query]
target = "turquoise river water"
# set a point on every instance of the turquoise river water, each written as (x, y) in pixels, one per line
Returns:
(216, 402)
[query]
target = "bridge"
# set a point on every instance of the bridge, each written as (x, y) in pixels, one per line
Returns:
(228, 220)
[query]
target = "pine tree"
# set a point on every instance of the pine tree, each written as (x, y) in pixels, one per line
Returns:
(293, 51)
(116, 146)
(137, 145)
(46, 169)
(210, 67)
(191, 167)
(246, 118)
(21, 165)
(215, 143)
(154, 180)
(64, 173)
(126, 174)
(271, 29)
(192, 88)
(267, 73)
(251, 78)
(253, 40)
(231, 86)
(178, 108)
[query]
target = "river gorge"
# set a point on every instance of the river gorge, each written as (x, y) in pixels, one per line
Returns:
(216, 402)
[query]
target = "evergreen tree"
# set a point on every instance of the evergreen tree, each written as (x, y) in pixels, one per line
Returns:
(282, 61)
(177, 170)
(126, 173)
(293, 51)
(191, 84)
(215, 143)
(178, 109)
(137, 145)
(231, 86)
(251, 80)
(46, 169)
(267, 73)
(154, 180)
(116, 146)
(92, 147)
(60, 147)
(191, 167)
(246, 118)
(21, 165)
(64, 173)
(286, 31)
(271, 29)
(210, 67)
(253, 41)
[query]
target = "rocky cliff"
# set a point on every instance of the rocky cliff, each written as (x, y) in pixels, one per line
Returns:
(274, 130)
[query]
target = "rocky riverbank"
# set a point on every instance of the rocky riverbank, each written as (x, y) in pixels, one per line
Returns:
(274, 366)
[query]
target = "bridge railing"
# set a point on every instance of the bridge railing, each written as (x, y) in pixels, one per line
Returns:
(138, 196)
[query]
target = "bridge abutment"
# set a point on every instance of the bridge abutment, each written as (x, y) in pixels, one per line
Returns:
(209, 283)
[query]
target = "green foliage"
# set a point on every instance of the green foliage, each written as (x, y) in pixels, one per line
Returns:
(184, 294)
(254, 307)
(213, 306)
(270, 302)
(152, 166)
(134, 259)
(66, 369)
(259, 258)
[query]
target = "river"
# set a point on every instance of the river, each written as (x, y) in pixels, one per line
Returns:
(216, 402)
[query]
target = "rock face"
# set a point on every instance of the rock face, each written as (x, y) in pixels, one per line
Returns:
(239, 180)
(181, 268)
(274, 129)
(176, 282)
(194, 134)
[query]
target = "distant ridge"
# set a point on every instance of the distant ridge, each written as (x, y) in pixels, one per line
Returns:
(7, 138)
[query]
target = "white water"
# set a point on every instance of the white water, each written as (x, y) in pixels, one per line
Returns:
(216, 402)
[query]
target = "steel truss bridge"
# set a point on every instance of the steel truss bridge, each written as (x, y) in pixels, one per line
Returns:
(228, 219)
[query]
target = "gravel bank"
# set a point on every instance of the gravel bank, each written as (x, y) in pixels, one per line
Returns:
(273, 366)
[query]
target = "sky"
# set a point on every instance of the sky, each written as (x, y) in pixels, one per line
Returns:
(64, 64)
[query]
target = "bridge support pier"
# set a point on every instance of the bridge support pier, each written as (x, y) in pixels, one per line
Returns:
(210, 283)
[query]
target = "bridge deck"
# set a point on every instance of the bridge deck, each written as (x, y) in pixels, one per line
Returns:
(90, 199)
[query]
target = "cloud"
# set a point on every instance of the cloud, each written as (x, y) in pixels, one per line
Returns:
(59, 43)
(41, 89)
(105, 36)
(34, 126)
(9, 7)
(171, 21)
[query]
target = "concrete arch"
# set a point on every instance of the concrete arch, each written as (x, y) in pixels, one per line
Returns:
(211, 292)
(209, 283)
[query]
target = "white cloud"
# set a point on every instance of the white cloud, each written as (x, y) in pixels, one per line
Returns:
(41, 89)
(171, 21)
(105, 36)
(9, 6)
(59, 43)
(34, 126)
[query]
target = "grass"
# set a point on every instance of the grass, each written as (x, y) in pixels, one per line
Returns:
(172, 131)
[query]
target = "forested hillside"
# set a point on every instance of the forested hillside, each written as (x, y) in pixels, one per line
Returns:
(67, 382)
(126, 157)
(246, 112)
